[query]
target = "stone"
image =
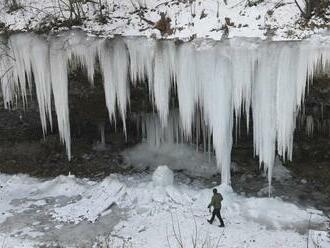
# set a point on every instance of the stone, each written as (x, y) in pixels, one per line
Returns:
(303, 181)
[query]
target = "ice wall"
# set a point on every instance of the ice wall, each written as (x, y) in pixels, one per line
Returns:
(218, 80)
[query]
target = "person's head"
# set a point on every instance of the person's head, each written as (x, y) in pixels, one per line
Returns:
(215, 191)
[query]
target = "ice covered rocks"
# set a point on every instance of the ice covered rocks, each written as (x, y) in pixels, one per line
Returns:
(163, 176)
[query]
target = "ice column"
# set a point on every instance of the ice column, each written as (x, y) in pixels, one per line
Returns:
(164, 67)
(83, 50)
(187, 85)
(216, 98)
(114, 62)
(41, 71)
(59, 79)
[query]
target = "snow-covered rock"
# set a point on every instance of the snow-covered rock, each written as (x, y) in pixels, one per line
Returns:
(303, 181)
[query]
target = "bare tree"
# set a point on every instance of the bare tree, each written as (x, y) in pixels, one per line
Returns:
(77, 9)
(74, 7)
(197, 240)
(312, 7)
(13, 5)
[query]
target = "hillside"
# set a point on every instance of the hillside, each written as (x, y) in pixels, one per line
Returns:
(183, 19)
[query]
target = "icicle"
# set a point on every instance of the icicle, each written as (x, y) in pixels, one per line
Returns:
(41, 71)
(243, 66)
(309, 126)
(264, 106)
(102, 134)
(20, 47)
(29, 54)
(141, 52)
(198, 128)
(120, 77)
(216, 79)
(113, 59)
(286, 95)
(83, 50)
(155, 133)
(163, 77)
(59, 79)
(105, 56)
(187, 84)
(204, 133)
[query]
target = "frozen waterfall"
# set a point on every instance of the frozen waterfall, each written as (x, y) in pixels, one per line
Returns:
(215, 82)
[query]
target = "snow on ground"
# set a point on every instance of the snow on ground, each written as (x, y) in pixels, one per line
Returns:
(318, 239)
(139, 211)
(200, 18)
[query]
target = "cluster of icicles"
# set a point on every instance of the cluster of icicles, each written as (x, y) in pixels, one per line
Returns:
(312, 124)
(220, 79)
(155, 133)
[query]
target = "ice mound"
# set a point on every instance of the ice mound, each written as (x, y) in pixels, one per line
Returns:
(163, 176)
(95, 200)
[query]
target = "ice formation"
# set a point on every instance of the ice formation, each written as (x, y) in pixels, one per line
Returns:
(163, 176)
(216, 82)
(313, 124)
(155, 134)
(309, 126)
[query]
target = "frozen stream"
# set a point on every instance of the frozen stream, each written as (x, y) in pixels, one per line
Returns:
(141, 211)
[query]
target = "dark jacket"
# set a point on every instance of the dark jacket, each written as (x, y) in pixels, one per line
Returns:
(216, 201)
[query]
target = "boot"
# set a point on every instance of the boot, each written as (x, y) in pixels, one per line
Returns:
(209, 222)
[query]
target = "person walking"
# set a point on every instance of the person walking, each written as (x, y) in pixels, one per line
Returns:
(216, 204)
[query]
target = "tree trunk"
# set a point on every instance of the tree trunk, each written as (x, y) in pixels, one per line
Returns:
(310, 7)
(315, 6)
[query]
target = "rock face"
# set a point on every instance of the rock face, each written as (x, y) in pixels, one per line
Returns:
(311, 154)
(163, 176)
(23, 149)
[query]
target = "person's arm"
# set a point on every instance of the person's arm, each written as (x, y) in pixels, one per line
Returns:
(221, 198)
(211, 203)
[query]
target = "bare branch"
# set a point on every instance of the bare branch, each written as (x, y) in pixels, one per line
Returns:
(301, 10)
(7, 71)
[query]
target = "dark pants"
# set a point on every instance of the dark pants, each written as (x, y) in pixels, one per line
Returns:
(216, 212)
